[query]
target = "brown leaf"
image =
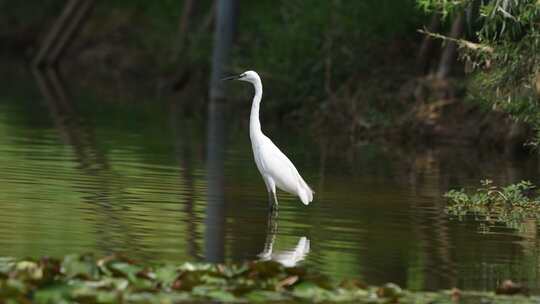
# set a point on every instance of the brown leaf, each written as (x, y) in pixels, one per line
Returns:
(455, 294)
(508, 287)
(353, 284)
(287, 282)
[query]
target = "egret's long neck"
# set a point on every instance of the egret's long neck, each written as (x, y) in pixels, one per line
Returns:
(254, 123)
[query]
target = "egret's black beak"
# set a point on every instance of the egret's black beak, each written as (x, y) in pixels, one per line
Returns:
(232, 77)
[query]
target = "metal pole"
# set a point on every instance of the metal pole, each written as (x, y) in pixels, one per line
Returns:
(223, 39)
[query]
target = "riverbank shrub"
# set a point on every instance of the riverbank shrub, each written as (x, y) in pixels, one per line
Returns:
(511, 204)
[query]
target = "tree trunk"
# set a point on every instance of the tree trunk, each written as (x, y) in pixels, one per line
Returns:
(183, 28)
(426, 48)
(63, 32)
(449, 53)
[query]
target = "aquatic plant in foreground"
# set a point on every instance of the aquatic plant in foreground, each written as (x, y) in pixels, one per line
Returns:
(117, 279)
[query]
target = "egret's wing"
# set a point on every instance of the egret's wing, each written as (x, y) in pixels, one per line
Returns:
(279, 167)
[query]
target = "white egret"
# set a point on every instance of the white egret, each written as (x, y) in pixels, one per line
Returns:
(275, 168)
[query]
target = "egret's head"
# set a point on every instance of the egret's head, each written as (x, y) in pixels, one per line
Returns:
(249, 76)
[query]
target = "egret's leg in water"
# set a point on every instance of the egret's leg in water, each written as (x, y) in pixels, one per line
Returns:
(275, 208)
(272, 198)
(272, 201)
(271, 188)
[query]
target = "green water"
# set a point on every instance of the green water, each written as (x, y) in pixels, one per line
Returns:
(94, 172)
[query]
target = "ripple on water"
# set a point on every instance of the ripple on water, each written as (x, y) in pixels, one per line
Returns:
(70, 186)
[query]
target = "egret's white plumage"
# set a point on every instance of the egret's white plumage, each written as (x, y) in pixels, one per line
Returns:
(275, 168)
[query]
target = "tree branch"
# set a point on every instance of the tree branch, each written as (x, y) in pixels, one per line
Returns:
(460, 42)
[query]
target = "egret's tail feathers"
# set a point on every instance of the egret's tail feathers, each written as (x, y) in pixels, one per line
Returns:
(305, 194)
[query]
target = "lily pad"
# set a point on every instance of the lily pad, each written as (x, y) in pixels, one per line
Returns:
(76, 266)
(114, 279)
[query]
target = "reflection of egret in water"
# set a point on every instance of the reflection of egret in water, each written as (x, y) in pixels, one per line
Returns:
(288, 258)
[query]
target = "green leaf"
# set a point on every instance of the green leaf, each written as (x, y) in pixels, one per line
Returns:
(311, 291)
(28, 271)
(12, 287)
(6, 265)
(390, 290)
(75, 266)
(221, 295)
(265, 296)
(56, 293)
(166, 274)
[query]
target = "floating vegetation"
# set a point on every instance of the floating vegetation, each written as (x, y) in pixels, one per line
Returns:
(511, 205)
(117, 279)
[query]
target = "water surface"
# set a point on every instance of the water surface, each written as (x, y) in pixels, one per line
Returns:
(81, 171)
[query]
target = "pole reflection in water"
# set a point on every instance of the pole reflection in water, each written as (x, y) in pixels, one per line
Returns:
(288, 258)
(214, 237)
